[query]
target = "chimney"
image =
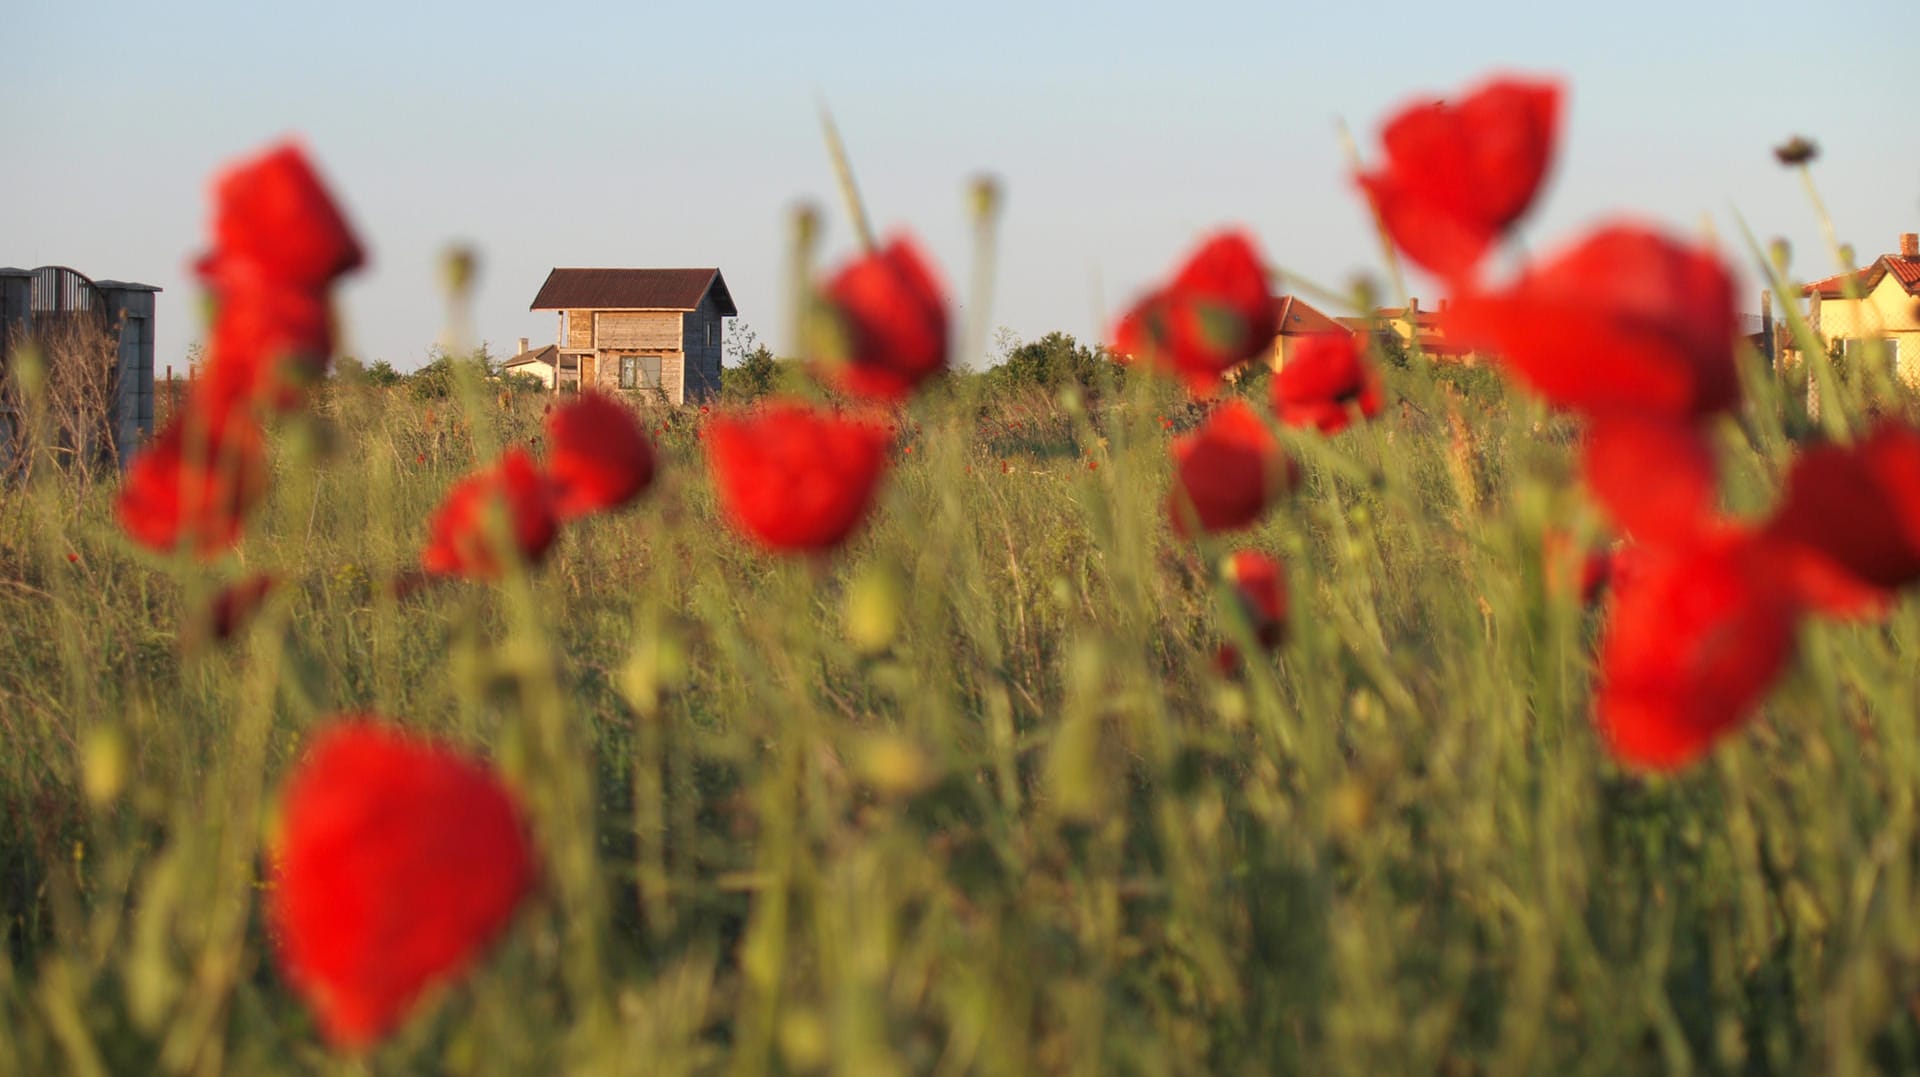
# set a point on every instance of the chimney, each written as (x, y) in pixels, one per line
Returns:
(1910, 244)
(1413, 306)
(523, 347)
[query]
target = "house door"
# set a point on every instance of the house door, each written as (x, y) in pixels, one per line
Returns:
(587, 371)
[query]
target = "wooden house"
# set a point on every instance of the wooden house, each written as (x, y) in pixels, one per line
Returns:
(651, 332)
(1882, 300)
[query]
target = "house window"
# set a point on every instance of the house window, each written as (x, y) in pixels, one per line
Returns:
(640, 372)
(709, 334)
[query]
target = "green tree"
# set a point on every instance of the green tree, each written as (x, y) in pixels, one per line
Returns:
(381, 373)
(1053, 361)
(755, 371)
(435, 380)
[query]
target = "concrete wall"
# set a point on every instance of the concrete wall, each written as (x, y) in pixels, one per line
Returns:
(130, 306)
(129, 311)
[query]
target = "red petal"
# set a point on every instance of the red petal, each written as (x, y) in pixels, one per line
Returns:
(1655, 476)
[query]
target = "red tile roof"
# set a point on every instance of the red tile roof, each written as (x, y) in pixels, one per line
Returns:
(632, 289)
(1905, 269)
(1297, 318)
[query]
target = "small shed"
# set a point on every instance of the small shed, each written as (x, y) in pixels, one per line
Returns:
(61, 308)
(652, 332)
(545, 363)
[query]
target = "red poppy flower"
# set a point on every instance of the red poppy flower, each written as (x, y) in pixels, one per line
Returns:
(270, 343)
(236, 604)
(1458, 175)
(1849, 522)
(599, 457)
(194, 485)
(1627, 321)
(1227, 471)
(461, 537)
(1324, 382)
(1215, 314)
(1260, 587)
(1695, 637)
(892, 319)
(272, 212)
(795, 479)
(399, 859)
(1655, 476)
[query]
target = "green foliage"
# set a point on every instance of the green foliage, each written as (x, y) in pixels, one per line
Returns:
(970, 795)
(440, 377)
(381, 374)
(756, 376)
(1052, 362)
(754, 371)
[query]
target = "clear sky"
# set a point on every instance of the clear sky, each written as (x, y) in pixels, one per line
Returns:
(637, 134)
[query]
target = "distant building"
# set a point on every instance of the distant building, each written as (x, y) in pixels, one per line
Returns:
(1887, 307)
(1409, 326)
(36, 303)
(651, 332)
(1296, 320)
(554, 370)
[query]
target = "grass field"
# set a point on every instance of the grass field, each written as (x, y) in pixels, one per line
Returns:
(969, 796)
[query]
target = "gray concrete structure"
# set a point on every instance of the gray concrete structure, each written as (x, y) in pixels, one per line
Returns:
(126, 309)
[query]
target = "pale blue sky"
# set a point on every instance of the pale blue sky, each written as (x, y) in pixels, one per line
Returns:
(683, 134)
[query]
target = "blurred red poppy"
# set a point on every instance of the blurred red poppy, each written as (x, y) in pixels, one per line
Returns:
(793, 478)
(236, 604)
(194, 485)
(1325, 381)
(1849, 523)
(461, 537)
(399, 859)
(1655, 476)
(1260, 587)
(1215, 314)
(1695, 637)
(1457, 175)
(1227, 471)
(270, 343)
(598, 455)
(1626, 321)
(892, 321)
(273, 213)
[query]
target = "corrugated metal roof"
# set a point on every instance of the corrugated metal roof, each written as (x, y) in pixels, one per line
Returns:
(632, 289)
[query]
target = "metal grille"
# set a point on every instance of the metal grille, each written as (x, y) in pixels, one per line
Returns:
(59, 290)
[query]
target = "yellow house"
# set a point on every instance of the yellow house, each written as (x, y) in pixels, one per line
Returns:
(1888, 306)
(1409, 325)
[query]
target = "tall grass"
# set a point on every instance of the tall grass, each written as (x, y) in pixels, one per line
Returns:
(970, 796)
